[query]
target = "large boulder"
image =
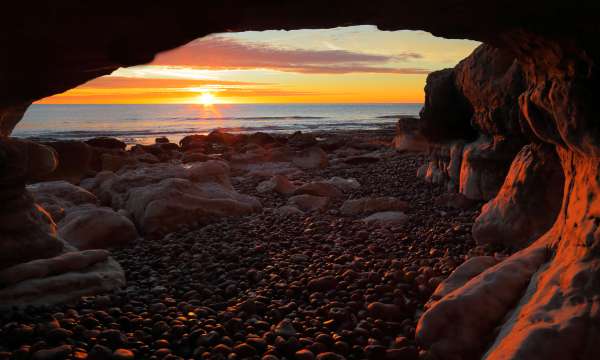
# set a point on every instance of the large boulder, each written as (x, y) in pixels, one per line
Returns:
(74, 161)
(92, 227)
(310, 158)
(59, 279)
(57, 196)
(408, 136)
(166, 205)
(528, 202)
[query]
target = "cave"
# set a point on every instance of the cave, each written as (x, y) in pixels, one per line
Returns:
(540, 303)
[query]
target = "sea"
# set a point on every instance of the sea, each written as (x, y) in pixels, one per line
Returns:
(141, 124)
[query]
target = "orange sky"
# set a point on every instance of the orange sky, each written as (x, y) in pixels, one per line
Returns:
(344, 65)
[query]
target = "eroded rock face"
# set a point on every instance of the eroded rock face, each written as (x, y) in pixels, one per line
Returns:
(484, 166)
(528, 202)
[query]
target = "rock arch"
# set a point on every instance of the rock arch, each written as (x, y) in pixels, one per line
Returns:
(549, 290)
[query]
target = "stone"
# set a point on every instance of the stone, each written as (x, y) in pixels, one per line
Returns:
(278, 183)
(323, 283)
(310, 158)
(463, 273)
(345, 185)
(385, 311)
(484, 166)
(286, 210)
(74, 161)
(285, 328)
(309, 202)
(476, 307)
(408, 137)
(319, 188)
(57, 196)
(173, 202)
(369, 205)
(92, 227)
(528, 201)
(386, 218)
(59, 279)
(106, 143)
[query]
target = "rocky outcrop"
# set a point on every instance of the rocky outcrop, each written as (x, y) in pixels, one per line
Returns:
(74, 161)
(408, 136)
(163, 197)
(79, 219)
(484, 166)
(528, 202)
(485, 88)
(36, 266)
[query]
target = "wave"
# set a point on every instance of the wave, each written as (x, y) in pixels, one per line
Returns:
(255, 118)
(132, 134)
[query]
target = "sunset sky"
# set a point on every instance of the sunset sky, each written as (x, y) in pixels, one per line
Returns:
(344, 65)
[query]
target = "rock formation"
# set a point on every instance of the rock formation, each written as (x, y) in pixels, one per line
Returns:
(541, 303)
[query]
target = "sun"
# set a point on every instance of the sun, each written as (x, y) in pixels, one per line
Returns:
(206, 99)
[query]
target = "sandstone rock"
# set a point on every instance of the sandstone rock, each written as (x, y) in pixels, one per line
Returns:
(61, 279)
(56, 196)
(408, 136)
(278, 183)
(461, 275)
(115, 162)
(372, 205)
(475, 308)
(345, 185)
(91, 227)
(173, 202)
(309, 202)
(492, 80)
(484, 166)
(528, 202)
(310, 158)
(387, 218)
(319, 188)
(74, 161)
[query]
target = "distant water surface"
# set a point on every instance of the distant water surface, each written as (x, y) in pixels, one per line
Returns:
(143, 123)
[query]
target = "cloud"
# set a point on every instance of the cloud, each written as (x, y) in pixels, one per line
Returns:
(221, 53)
(120, 82)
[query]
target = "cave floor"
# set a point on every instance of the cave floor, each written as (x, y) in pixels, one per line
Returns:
(267, 286)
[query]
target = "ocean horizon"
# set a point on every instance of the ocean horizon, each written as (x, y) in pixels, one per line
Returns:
(142, 123)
